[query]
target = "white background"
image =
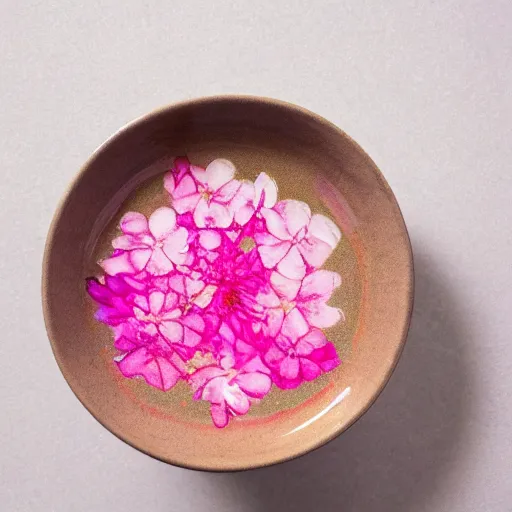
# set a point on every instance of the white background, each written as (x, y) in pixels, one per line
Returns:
(425, 87)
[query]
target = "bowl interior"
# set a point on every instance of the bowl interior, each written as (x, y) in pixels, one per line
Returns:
(310, 160)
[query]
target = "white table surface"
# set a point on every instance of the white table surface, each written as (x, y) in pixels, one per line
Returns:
(425, 87)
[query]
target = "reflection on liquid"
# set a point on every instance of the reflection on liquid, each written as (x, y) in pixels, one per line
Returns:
(334, 403)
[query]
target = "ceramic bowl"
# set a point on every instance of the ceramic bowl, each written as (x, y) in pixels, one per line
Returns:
(299, 272)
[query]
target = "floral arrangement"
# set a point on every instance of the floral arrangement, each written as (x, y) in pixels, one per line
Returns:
(222, 289)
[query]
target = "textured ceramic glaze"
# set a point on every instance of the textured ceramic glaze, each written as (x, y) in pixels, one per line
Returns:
(284, 392)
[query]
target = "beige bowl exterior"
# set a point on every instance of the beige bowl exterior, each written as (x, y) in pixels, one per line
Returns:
(370, 213)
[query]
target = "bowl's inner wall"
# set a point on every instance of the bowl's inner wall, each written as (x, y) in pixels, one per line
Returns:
(253, 134)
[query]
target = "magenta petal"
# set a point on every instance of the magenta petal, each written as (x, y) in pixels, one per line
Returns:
(181, 165)
(157, 372)
(289, 367)
(186, 203)
(186, 187)
(139, 258)
(256, 385)
(325, 230)
(292, 265)
(142, 302)
(111, 315)
(244, 194)
(219, 414)
(171, 301)
(205, 297)
(191, 338)
(193, 286)
(172, 331)
(162, 222)
(243, 214)
(294, 325)
(137, 362)
(326, 357)
(287, 288)
(245, 351)
(170, 182)
(264, 184)
(175, 246)
(296, 215)
(236, 399)
(128, 243)
(202, 376)
(309, 369)
(169, 374)
(194, 321)
(271, 255)
(159, 264)
(177, 283)
(314, 251)
(218, 173)
(319, 284)
(265, 238)
(214, 390)
(123, 284)
(274, 356)
(268, 299)
(321, 315)
(100, 293)
(311, 341)
(156, 301)
(227, 333)
(275, 224)
(124, 344)
(210, 239)
(283, 383)
(213, 215)
(255, 364)
(227, 192)
(274, 321)
(179, 364)
(134, 223)
(119, 264)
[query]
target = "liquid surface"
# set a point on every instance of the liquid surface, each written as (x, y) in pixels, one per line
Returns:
(150, 195)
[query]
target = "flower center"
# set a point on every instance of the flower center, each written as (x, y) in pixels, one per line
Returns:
(231, 298)
(300, 235)
(207, 195)
(291, 353)
(231, 375)
(287, 306)
(154, 319)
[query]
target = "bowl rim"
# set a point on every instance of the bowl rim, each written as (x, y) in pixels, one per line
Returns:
(211, 99)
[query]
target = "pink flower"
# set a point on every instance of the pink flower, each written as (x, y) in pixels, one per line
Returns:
(160, 312)
(114, 297)
(298, 306)
(222, 291)
(207, 193)
(251, 197)
(154, 246)
(296, 360)
(147, 355)
(295, 239)
(230, 391)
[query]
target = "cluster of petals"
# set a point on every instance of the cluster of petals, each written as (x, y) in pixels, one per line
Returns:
(223, 289)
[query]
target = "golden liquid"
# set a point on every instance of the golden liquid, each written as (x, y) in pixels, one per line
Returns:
(149, 195)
